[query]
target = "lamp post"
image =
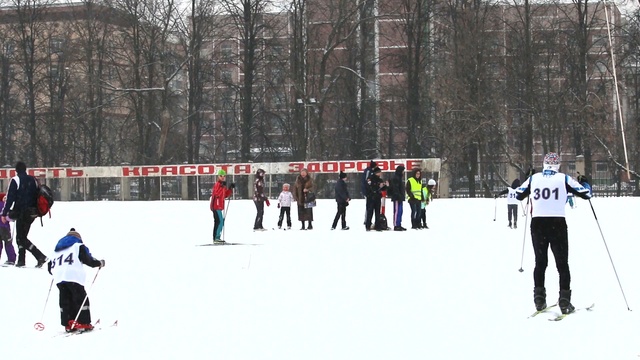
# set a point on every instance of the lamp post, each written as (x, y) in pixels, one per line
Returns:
(311, 102)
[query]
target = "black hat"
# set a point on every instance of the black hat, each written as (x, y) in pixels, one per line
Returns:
(342, 175)
(21, 167)
(376, 170)
(372, 164)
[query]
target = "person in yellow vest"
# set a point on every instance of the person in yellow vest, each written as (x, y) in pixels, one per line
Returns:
(414, 196)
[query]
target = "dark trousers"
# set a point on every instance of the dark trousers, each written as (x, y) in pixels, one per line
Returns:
(23, 225)
(373, 208)
(71, 297)
(285, 210)
(397, 213)
(340, 214)
(260, 214)
(512, 209)
(415, 214)
(423, 217)
(545, 232)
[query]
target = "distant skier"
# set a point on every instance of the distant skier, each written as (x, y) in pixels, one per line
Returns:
(219, 193)
(512, 202)
(69, 275)
(548, 193)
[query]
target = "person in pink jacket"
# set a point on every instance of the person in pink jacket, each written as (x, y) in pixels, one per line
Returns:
(219, 193)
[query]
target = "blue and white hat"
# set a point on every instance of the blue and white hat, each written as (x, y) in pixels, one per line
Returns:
(551, 162)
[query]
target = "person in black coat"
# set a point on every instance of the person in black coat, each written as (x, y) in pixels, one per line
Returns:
(375, 186)
(342, 199)
(21, 205)
(397, 193)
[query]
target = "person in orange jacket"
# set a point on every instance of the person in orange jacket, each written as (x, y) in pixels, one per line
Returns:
(219, 193)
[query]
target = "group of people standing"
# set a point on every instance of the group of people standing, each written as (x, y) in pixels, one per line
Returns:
(374, 188)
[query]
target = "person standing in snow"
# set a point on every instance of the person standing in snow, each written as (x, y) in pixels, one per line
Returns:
(259, 199)
(427, 197)
(375, 186)
(284, 204)
(219, 193)
(548, 192)
(302, 187)
(397, 194)
(364, 185)
(22, 202)
(512, 202)
(66, 267)
(342, 200)
(413, 189)
(5, 237)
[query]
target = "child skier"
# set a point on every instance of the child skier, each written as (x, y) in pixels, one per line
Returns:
(5, 237)
(512, 202)
(284, 204)
(69, 275)
(219, 192)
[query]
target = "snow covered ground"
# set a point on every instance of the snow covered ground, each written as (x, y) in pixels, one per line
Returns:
(450, 292)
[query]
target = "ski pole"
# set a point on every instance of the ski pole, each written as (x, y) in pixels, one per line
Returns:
(610, 258)
(75, 321)
(224, 217)
(524, 236)
(39, 325)
(495, 208)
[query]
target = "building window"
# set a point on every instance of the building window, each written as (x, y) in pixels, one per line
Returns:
(226, 51)
(56, 45)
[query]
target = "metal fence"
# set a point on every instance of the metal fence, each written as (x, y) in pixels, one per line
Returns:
(605, 179)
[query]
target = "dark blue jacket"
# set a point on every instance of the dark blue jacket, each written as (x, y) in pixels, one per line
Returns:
(342, 193)
(23, 196)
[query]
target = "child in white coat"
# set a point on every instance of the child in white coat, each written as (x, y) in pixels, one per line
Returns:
(284, 204)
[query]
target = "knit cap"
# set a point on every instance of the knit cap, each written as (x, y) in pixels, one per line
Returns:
(73, 232)
(342, 175)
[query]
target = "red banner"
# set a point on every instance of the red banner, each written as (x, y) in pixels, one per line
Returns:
(330, 167)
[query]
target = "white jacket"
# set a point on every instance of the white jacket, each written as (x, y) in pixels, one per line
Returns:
(285, 198)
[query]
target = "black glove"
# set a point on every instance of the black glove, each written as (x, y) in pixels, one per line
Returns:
(224, 183)
(232, 186)
(583, 179)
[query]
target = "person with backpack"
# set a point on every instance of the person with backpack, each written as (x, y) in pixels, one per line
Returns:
(68, 273)
(22, 206)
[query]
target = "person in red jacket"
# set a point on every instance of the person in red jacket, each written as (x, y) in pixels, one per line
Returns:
(219, 192)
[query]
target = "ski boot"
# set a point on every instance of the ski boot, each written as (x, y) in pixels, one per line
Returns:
(540, 297)
(565, 302)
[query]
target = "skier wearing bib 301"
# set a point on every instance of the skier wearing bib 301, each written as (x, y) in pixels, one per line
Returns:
(548, 193)
(66, 266)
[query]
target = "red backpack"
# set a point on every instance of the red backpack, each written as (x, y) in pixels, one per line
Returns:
(44, 201)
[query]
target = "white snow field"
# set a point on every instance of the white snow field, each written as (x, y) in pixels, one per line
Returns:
(450, 292)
